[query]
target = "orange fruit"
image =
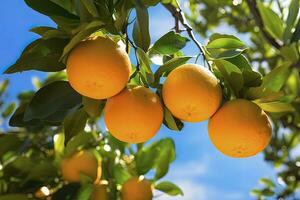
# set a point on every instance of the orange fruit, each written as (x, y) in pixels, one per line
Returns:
(82, 162)
(98, 68)
(192, 93)
(100, 192)
(136, 189)
(240, 128)
(134, 115)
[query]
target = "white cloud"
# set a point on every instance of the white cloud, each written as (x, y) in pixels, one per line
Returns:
(187, 177)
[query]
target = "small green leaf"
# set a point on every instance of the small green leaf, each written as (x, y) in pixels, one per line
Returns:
(290, 52)
(271, 20)
(267, 182)
(169, 44)
(121, 175)
(169, 188)
(41, 172)
(9, 110)
(55, 97)
(291, 19)
(172, 122)
(75, 123)
(59, 144)
(145, 65)
(42, 55)
(276, 106)
(141, 35)
(81, 140)
(85, 191)
(231, 74)
(93, 107)
(275, 79)
(49, 32)
(224, 47)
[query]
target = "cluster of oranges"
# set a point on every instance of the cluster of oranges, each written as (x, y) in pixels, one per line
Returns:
(98, 68)
(85, 163)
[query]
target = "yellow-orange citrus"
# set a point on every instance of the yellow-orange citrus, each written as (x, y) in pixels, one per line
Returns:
(100, 192)
(240, 129)
(134, 115)
(192, 93)
(98, 68)
(82, 162)
(137, 189)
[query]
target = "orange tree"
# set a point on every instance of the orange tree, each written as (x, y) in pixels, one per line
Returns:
(55, 149)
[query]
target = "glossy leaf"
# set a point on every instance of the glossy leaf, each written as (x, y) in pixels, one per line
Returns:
(271, 20)
(169, 188)
(55, 97)
(79, 141)
(75, 123)
(141, 35)
(42, 55)
(93, 107)
(169, 44)
(172, 122)
(291, 19)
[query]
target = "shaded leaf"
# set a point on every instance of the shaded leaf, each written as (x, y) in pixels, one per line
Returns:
(291, 19)
(74, 123)
(93, 107)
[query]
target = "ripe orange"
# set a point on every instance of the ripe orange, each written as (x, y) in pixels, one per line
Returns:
(137, 189)
(100, 192)
(82, 162)
(192, 93)
(134, 115)
(98, 68)
(240, 129)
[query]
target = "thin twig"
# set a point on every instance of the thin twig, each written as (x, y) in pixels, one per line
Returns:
(252, 4)
(179, 15)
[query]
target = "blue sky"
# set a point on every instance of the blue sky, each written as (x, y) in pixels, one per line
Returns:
(201, 171)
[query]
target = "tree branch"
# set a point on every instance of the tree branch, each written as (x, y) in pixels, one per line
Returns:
(259, 22)
(179, 16)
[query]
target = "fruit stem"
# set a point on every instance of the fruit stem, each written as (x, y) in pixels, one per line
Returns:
(178, 14)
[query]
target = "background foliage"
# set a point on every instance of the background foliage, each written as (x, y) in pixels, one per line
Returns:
(264, 69)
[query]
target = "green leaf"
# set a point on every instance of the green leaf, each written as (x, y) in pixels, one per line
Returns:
(86, 31)
(263, 94)
(276, 106)
(59, 144)
(169, 66)
(90, 6)
(41, 172)
(231, 74)
(93, 107)
(290, 52)
(57, 97)
(121, 175)
(9, 110)
(49, 8)
(145, 65)
(75, 123)
(267, 182)
(81, 140)
(296, 34)
(291, 19)
(241, 62)
(169, 44)
(275, 79)
(49, 32)
(9, 142)
(140, 34)
(42, 55)
(169, 188)
(85, 191)
(271, 20)
(267, 192)
(256, 192)
(224, 47)
(172, 122)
